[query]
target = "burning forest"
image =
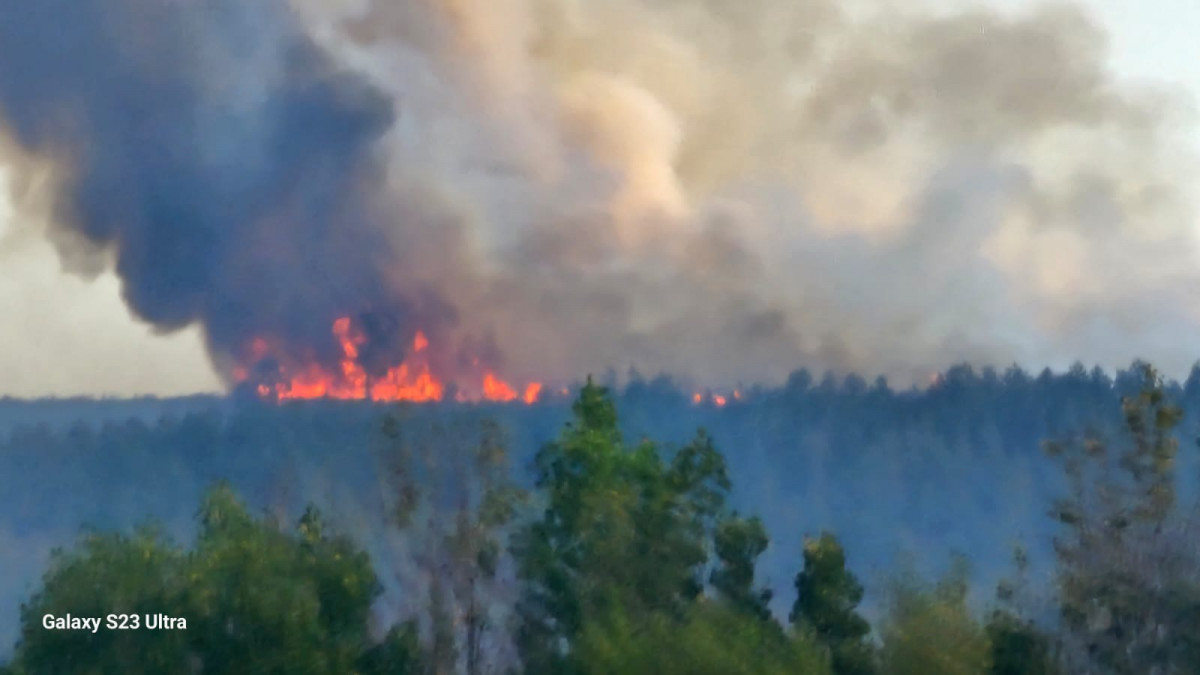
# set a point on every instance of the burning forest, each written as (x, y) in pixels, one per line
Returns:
(281, 378)
(398, 267)
(545, 189)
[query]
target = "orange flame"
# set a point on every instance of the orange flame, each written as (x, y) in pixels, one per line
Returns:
(719, 400)
(411, 380)
(495, 389)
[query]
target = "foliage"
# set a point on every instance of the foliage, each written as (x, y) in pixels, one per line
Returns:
(710, 639)
(1127, 559)
(955, 466)
(457, 508)
(255, 599)
(1018, 647)
(738, 543)
(107, 574)
(264, 599)
(629, 560)
(929, 630)
(621, 527)
(399, 653)
(826, 597)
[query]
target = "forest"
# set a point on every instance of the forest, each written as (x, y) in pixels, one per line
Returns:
(992, 522)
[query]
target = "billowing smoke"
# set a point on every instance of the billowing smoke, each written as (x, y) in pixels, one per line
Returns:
(226, 163)
(720, 190)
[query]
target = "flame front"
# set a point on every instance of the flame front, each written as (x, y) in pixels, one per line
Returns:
(718, 400)
(410, 380)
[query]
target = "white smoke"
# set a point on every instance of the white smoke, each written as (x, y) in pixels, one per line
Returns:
(727, 191)
(732, 190)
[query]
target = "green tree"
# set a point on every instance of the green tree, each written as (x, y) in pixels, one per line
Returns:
(399, 653)
(827, 595)
(107, 574)
(621, 527)
(738, 543)
(266, 597)
(710, 639)
(929, 630)
(256, 599)
(1018, 646)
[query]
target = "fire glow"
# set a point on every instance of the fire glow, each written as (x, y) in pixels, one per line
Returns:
(411, 380)
(718, 400)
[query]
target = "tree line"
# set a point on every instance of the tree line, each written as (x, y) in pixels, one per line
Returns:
(628, 557)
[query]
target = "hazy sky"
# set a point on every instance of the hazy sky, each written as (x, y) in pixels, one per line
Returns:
(63, 335)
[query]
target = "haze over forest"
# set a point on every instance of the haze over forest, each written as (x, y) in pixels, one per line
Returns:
(577, 336)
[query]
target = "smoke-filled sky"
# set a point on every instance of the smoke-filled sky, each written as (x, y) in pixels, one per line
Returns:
(723, 191)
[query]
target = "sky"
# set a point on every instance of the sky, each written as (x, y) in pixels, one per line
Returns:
(64, 334)
(1152, 39)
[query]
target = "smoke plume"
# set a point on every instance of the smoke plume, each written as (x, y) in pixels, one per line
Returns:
(724, 191)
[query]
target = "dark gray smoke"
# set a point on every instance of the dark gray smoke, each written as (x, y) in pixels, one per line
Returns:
(722, 191)
(224, 161)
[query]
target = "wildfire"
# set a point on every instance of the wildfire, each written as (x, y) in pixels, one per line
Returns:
(719, 400)
(495, 389)
(411, 380)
